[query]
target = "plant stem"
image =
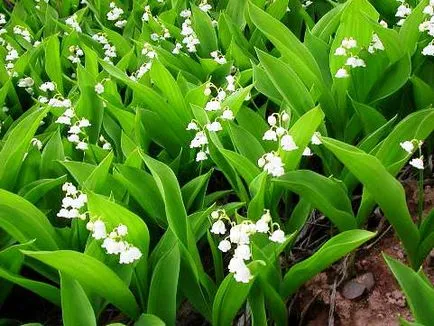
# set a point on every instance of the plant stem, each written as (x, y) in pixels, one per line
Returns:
(420, 197)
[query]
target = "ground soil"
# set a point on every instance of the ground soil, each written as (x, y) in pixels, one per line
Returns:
(384, 303)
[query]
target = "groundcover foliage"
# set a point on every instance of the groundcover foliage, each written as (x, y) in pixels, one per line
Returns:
(160, 152)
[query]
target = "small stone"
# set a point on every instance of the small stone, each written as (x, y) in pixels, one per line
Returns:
(357, 286)
(352, 289)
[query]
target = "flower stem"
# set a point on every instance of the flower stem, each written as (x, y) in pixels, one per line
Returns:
(420, 197)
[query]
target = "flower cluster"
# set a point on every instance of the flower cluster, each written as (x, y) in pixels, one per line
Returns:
(2, 30)
(73, 203)
(150, 55)
(239, 236)
(409, 146)
(306, 3)
(215, 103)
(3, 113)
(218, 57)
(11, 56)
(73, 23)
(205, 6)
(24, 32)
(190, 38)
(402, 12)
(200, 139)
(76, 135)
(114, 242)
(147, 14)
(115, 14)
(38, 1)
(105, 144)
(99, 88)
(428, 26)
(36, 143)
(50, 87)
(272, 164)
(26, 83)
(75, 54)
(376, 44)
(109, 50)
(2, 19)
(352, 60)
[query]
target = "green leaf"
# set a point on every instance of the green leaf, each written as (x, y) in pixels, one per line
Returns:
(93, 275)
(392, 79)
(164, 286)
(149, 320)
(334, 249)
(76, 308)
(97, 179)
(171, 193)
(53, 65)
(245, 143)
(34, 191)
(52, 152)
(409, 32)
(44, 290)
(141, 185)
(247, 170)
(230, 296)
(327, 195)
(168, 86)
(16, 145)
(286, 81)
(195, 190)
(298, 57)
(302, 132)
(375, 177)
(202, 25)
(419, 293)
(24, 222)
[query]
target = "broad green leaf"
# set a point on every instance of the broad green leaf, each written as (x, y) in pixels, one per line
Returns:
(34, 191)
(375, 177)
(15, 147)
(168, 86)
(53, 66)
(93, 275)
(245, 143)
(418, 125)
(230, 296)
(370, 118)
(298, 57)
(302, 132)
(195, 190)
(202, 25)
(52, 152)
(392, 80)
(76, 308)
(44, 290)
(286, 81)
(327, 195)
(24, 222)
(409, 32)
(334, 249)
(164, 286)
(247, 170)
(419, 293)
(171, 193)
(149, 320)
(97, 179)
(143, 188)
